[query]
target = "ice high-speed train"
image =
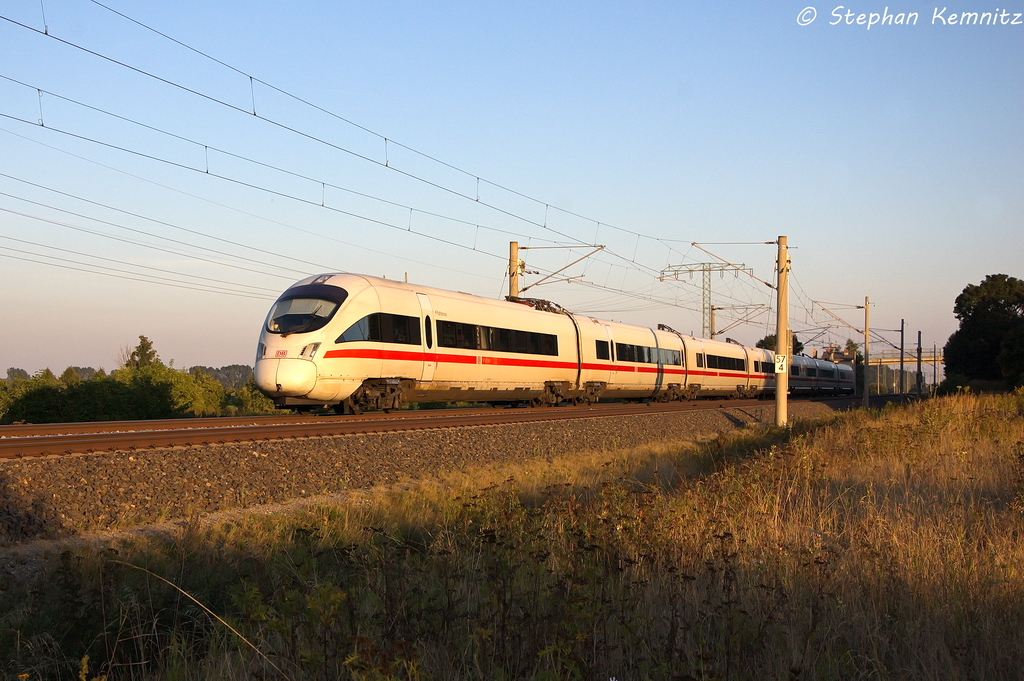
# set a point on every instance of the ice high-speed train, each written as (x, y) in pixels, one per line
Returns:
(354, 343)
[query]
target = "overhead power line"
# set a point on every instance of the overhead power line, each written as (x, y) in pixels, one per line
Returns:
(288, 128)
(296, 198)
(543, 225)
(221, 205)
(141, 244)
(140, 278)
(206, 147)
(145, 233)
(386, 140)
(130, 264)
(385, 164)
(250, 185)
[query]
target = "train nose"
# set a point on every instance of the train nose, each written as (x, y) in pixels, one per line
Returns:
(285, 377)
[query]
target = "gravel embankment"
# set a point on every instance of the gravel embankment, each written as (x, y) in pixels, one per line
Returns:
(61, 496)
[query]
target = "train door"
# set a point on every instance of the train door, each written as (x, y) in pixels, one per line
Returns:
(612, 381)
(429, 356)
(659, 380)
(748, 363)
(697, 372)
(685, 379)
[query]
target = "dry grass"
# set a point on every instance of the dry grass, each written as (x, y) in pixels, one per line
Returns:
(872, 545)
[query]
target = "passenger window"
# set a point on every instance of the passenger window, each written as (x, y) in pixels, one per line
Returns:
(360, 331)
(602, 350)
(381, 327)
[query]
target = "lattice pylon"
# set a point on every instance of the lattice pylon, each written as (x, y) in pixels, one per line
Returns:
(705, 268)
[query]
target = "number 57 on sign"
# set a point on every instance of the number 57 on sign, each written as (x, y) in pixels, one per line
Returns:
(780, 363)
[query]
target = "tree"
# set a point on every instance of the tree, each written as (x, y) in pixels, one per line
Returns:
(84, 373)
(768, 343)
(14, 374)
(989, 314)
(45, 377)
(143, 355)
(70, 377)
(1011, 357)
(232, 376)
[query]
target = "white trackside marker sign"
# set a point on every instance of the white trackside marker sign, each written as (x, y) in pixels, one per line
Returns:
(780, 363)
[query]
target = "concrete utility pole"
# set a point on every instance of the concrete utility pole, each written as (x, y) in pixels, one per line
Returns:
(515, 267)
(921, 375)
(783, 346)
(935, 366)
(867, 352)
(903, 385)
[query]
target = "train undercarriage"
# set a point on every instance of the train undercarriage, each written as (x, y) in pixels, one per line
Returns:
(390, 394)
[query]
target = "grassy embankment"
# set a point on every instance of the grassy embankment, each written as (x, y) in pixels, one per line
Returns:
(871, 545)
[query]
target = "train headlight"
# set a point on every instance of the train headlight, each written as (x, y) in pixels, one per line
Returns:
(261, 351)
(310, 350)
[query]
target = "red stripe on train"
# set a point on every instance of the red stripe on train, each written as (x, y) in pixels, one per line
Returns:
(412, 356)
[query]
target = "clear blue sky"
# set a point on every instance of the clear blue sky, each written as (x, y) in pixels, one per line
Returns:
(891, 157)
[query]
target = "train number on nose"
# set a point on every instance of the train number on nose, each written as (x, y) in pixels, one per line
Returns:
(281, 353)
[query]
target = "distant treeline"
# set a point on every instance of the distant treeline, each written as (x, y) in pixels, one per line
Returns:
(142, 388)
(232, 377)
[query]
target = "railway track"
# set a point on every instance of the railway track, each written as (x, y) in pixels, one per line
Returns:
(29, 440)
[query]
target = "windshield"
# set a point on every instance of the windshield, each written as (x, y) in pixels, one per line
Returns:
(300, 315)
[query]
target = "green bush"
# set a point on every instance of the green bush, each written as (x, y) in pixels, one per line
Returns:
(144, 388)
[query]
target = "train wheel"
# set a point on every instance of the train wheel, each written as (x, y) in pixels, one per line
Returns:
(351, 407)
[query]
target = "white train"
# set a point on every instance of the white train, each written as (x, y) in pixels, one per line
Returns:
(355, 343)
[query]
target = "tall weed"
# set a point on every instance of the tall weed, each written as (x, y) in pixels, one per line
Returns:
(879, 544)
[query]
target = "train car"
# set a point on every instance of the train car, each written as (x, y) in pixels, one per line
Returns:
(720, 369)
(846, 379)
(811, 376)
(763, 371)
(361, 342)
(802, 375)
(356, 342)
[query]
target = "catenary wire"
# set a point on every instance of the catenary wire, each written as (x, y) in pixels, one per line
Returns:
(323, 183)
(137, 231)
(287, 128)
(379, 136)
(631, 261)
(263, 164)
(132, 278)
(225, 206)
(166, 224)
(314, 138)
(123, 262)
(249, 185)
(285, 195)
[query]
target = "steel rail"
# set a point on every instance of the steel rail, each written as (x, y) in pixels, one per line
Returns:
(132, 435)
(185, 423)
